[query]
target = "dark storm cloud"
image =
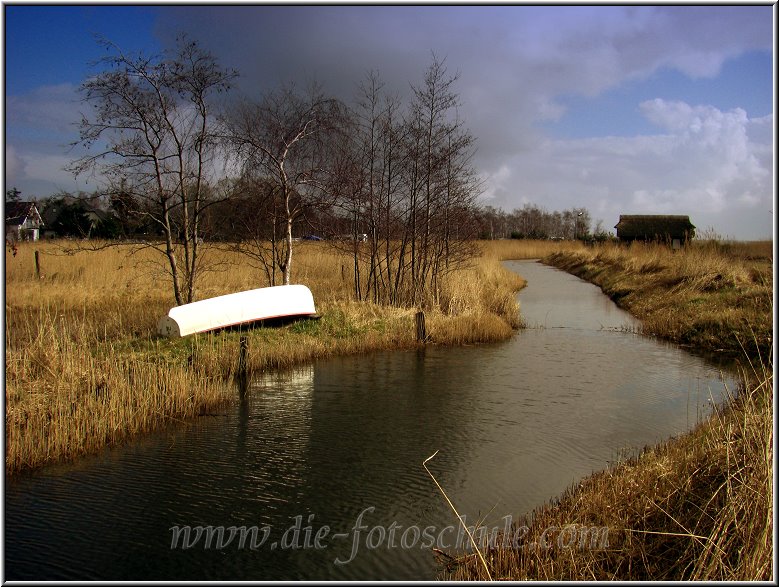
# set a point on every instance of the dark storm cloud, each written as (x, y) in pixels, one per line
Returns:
(513, 60)
(337, 46)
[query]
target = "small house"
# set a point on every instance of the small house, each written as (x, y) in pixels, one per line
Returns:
(72, 216)
(675, 230)
(22, 221)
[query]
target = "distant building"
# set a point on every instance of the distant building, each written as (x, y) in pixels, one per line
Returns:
(674, 230)
(72, 216)
(22, 221)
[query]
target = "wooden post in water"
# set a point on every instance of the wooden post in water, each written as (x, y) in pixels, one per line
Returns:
(37, 265)
(242, 357)
(421, 331)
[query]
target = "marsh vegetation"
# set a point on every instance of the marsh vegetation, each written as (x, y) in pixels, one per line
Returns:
(711, 296)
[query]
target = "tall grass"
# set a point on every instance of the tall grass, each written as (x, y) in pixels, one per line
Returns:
(65, 399)
(503, 250)
(85, 367)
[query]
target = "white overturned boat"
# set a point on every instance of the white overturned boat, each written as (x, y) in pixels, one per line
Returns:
(237, 308)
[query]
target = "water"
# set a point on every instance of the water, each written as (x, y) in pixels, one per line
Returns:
(340, 443)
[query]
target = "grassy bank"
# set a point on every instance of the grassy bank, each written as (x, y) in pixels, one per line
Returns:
(707, 296)
(696, 507)
(85, 367)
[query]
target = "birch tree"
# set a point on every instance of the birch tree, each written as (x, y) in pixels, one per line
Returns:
(410, 187)
(284, 139)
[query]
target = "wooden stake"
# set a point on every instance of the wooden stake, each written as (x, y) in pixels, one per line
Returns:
(421, 330)
(242, 356)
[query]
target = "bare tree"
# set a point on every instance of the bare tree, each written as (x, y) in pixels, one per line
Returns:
(530, 221)
(285, 140)
(408, 186)
(153, 131)
(368, 188)
(441, 181)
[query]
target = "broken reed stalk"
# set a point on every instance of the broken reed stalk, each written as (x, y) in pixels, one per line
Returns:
(456, 513)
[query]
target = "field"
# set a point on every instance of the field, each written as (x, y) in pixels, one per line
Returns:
(85, 367)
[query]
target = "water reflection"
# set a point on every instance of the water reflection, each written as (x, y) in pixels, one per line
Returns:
(515, 424)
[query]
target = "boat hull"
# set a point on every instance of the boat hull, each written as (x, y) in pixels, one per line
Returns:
(237, 308)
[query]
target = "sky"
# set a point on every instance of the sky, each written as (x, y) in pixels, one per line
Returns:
(629, 109)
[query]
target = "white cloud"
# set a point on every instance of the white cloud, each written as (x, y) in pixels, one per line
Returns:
(715, 166)
(495, 182)
(50, 168)
(54, 108)
(40, 174)
(711, 149)
(14, 166)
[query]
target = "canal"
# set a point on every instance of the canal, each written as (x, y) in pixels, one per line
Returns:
(316, 473)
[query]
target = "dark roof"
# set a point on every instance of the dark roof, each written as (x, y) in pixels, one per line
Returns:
(17, 212)
(653, 225)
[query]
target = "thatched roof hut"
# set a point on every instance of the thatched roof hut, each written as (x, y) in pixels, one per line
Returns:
(655, 227)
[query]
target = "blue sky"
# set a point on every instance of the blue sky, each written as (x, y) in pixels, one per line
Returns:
(49, 45)
(616, 112)
(620, 109)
